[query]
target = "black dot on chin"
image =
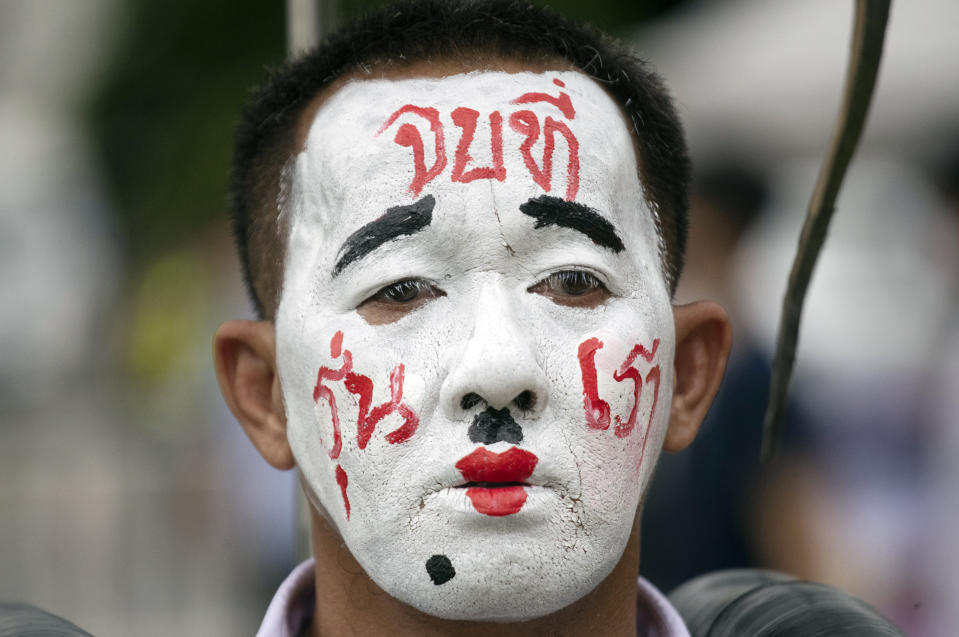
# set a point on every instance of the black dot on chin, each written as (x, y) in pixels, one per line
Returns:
(440, 569)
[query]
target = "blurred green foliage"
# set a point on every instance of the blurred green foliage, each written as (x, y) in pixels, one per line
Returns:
(165, 113)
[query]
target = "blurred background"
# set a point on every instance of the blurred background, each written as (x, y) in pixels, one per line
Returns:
(132, 503)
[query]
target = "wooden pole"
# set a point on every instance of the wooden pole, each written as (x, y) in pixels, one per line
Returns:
(866, 51)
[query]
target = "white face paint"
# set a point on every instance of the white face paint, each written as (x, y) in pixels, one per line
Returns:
(449, 506)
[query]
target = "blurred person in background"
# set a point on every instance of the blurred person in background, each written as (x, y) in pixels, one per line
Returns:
(857, 506)
(940, 550)
(859, 500)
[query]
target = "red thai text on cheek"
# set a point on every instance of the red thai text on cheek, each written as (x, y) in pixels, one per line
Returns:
(523, 121)
(598, 410)
(367, 418)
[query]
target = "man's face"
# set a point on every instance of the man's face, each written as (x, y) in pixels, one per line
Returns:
(474, 339)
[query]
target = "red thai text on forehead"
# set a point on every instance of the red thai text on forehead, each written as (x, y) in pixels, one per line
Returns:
(418, 125)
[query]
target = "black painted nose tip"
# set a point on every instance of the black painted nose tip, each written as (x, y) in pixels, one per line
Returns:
(495, 425)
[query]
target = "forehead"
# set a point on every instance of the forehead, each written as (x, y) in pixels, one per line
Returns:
(482, 137)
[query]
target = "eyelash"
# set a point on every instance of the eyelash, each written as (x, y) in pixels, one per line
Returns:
(563, 280)
(399, 292)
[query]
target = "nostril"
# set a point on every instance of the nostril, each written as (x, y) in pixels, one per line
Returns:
(525, 400)
(470, 400)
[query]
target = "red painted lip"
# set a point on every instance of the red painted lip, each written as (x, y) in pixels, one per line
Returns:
(497, 501)
(513, 465)
(492, 469)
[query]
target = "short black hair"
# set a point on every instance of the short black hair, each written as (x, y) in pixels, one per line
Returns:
(412, 31)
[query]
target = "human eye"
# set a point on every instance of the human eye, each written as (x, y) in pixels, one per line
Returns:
(394, 301)
(572, 288)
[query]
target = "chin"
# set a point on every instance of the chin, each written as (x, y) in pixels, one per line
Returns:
(526, 597)
(505, 578)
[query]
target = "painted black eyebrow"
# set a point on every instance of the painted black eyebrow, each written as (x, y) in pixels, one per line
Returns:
(395, 222)
(553, 211)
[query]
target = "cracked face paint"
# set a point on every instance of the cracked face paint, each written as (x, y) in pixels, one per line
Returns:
(504, 406)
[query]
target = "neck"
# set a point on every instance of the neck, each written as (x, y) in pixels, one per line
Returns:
(346, 596)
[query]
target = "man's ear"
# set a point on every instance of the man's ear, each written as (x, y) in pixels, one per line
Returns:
(244, 353)
(703, 339)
